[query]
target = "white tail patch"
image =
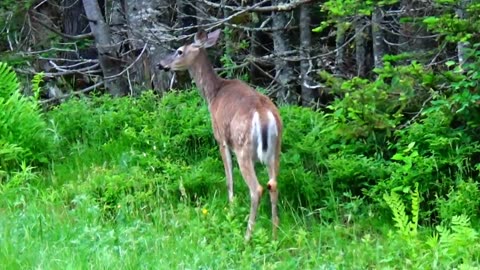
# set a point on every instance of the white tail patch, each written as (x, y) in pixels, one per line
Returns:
(272, 135)
(264, 154)
(257, 134)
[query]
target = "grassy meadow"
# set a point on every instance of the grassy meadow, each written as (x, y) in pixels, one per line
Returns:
(137, 183)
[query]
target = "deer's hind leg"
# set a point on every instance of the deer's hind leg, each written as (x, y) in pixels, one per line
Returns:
(247, 169)
(273, 167)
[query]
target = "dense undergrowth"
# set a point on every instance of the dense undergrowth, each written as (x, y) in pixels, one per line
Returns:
(138, 183)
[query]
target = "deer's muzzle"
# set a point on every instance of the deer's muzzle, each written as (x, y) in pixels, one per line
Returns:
(167, 63)
(163, 67)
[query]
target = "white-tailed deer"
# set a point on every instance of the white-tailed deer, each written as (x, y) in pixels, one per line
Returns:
(244, 121)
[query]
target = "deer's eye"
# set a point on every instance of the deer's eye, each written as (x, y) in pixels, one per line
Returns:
(179, 52)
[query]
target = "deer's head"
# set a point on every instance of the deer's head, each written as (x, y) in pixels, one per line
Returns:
(185, 55)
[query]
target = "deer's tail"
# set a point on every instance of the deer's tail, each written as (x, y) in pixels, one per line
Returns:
(265, 136)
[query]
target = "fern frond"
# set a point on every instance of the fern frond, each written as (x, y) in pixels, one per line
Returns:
(433, 240)
(415, 210)
(460, 221)
(23, 130)
(459, 240)
(9, 152)
(36, 81)
(8, 81)
(398, 210)
(443, 231)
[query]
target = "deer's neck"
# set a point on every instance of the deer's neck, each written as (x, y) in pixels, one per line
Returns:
(205, 76)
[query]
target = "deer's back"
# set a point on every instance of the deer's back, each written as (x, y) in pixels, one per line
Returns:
(232, 112)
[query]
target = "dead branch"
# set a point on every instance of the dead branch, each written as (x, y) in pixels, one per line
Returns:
(262, 29)
(53, 49)
(208, 26)
(79, 70)
(129, 66)
(85, 71)
(72, 66)
(410, 121)
(277, 8)
(90, 88)
(267, 58)
(51, 29)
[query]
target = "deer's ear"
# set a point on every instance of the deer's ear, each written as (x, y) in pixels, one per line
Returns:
(212, 38)
(200, 38)
(204, 40)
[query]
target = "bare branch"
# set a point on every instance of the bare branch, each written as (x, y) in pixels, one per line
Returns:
(90, 88)
(129, 66)
(316, 86)
(39, 4)
(265, 58)
(406, 124)
(209, 26)
(53, 49)
(278, 8)
(263, 29)
(76, 37)
(67, 68)
(85, 71)
(72, 66)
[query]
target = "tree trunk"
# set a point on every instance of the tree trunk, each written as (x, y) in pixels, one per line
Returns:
(462, 46)
(256, 50)
(305, 46)
(378, 37)
(360, 46)
(146, 20)
(340, 48)
(413, 34)
(118, 27)
(117, 23)
(404, 40)
(75, 23)
(111, 67)
(283, 69)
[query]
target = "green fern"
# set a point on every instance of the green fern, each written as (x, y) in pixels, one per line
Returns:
(415, 210)
(458, 241)
(398, 210)
(23, 130)
(8, 81)
(36, 81)
(406, 227)
(8, 152)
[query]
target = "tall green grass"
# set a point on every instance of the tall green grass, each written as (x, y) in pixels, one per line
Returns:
(40, 229)
(137, 183)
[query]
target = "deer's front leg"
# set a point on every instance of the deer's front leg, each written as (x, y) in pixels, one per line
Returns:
(227, 163)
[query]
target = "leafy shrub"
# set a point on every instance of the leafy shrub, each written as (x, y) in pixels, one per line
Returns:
(181, 128)
(98, 120)
(462, 199)
(23, 130)
(174, 126)
(380, 145)
(142, 145)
